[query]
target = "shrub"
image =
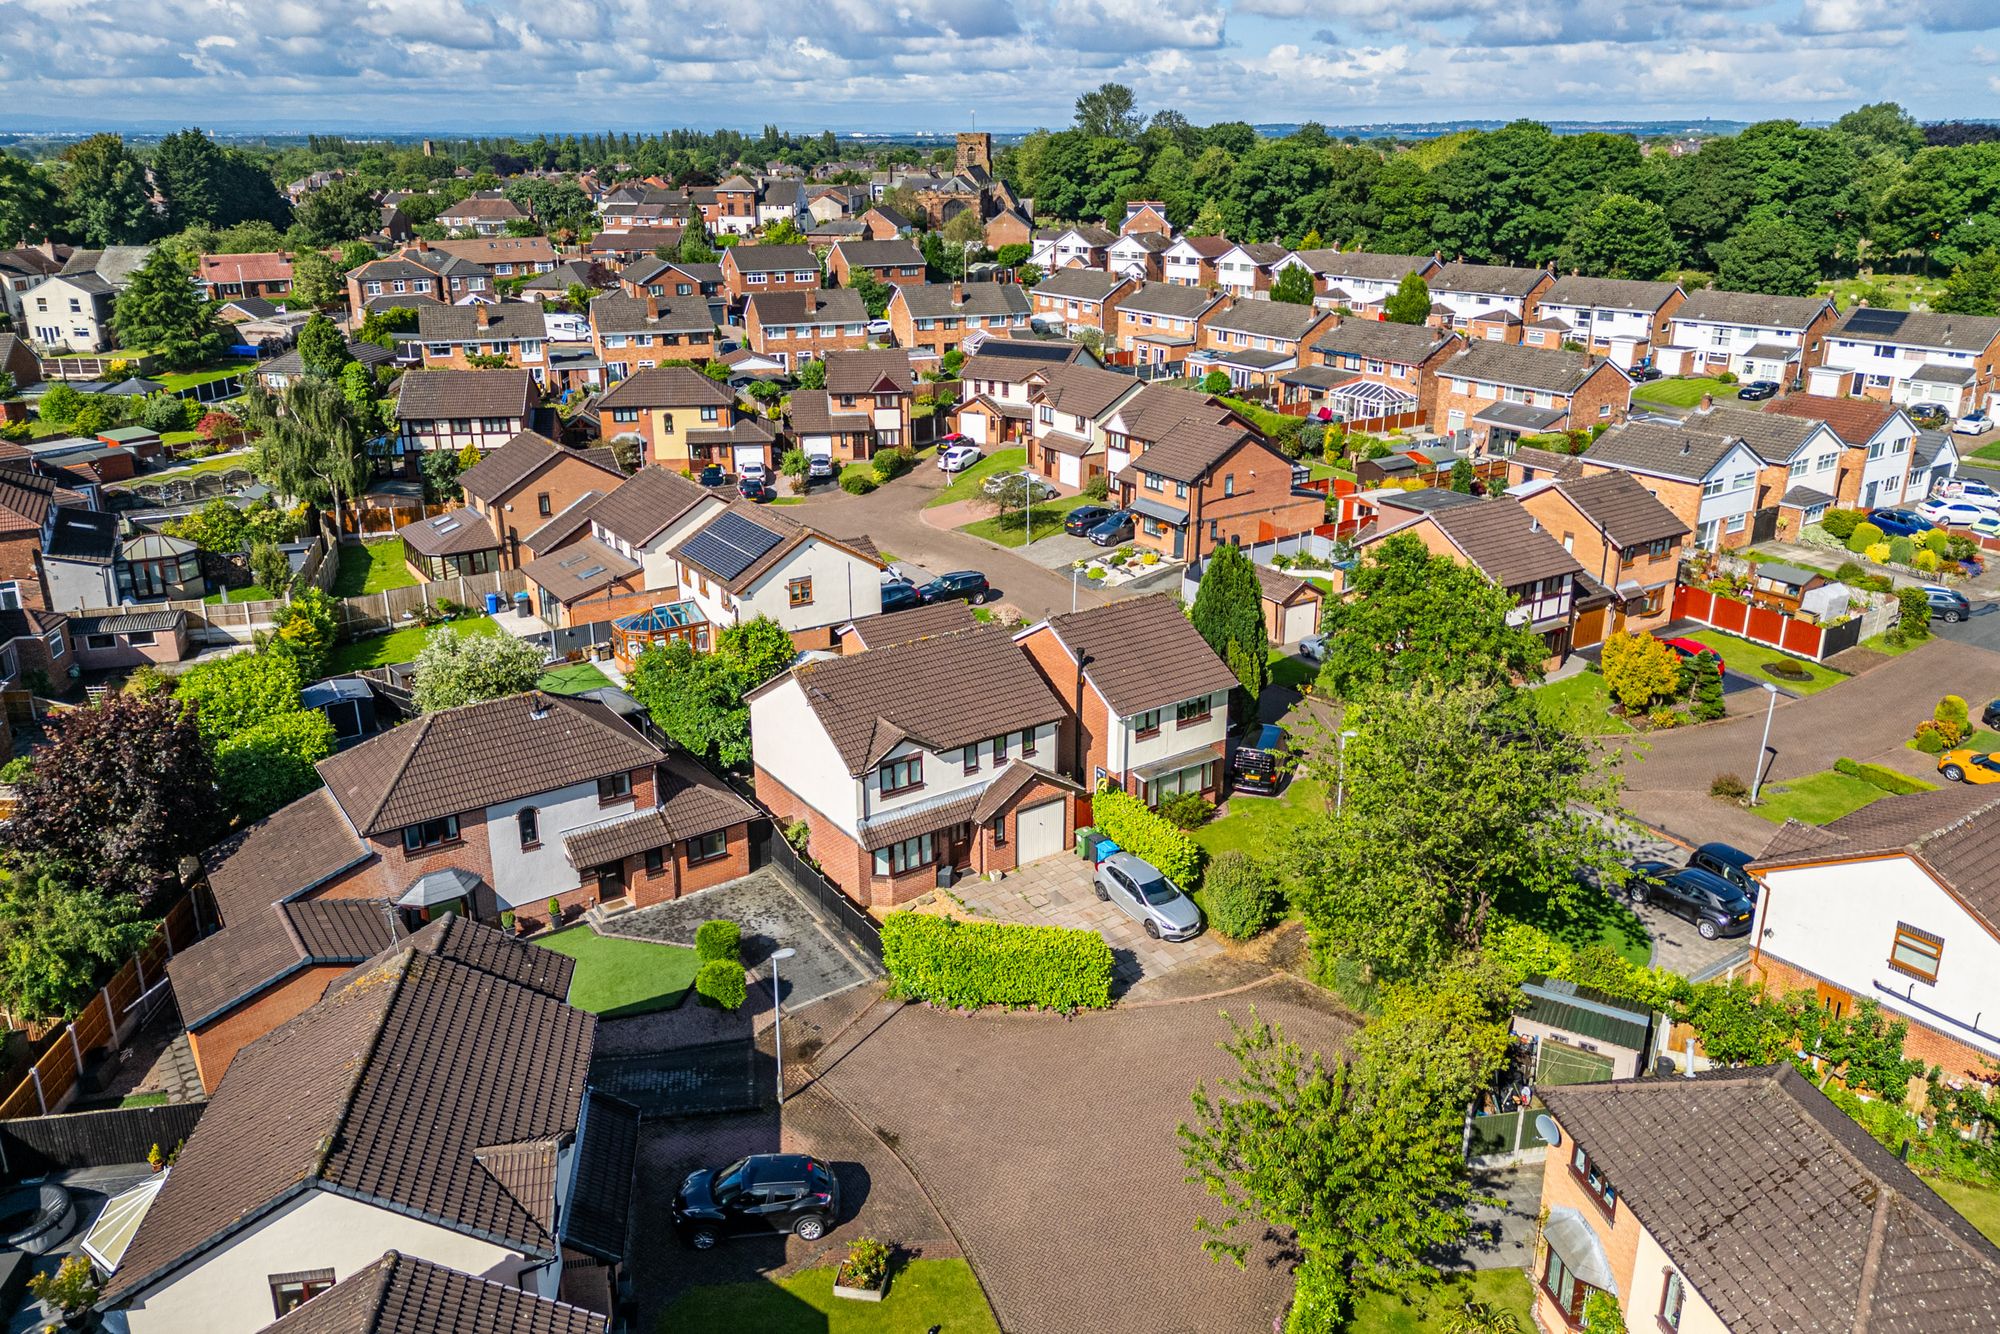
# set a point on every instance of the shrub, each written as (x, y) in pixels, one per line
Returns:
(1664, 719)
(1786, 670)
(1729, 787)
(718, 938)
(1097, 488)
(1841, 523)
(893, 463)
(973, 964)
(719, 982)
(1952, 718)
(1938, 540)
(1186, 810)
(1902, 550)
(857, 484)
(1876, 551)
(1863, 536)
(799, 834)
(1913, 614)
(866, 1265)
(1929, 740)
(1124, 819)
(1886, 779)
(1850, 572)
(1927, 561)
(1727, 377)
(1241, 895)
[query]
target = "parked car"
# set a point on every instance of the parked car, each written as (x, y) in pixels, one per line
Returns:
(951, 438)
(754, 469)
(1731, 864)
(1947, 604)
(1262, 760)
(1313, 648)
(1970, 766)
(1986, 526)
(1086, 517)
(1900, 522)
(958, 586)
(760, 1195)
(1694, 648)
(756, 488)
(1929, 416)
(1953, 513)
(1716, 907)
(1989, 718)
(1757, 391)
(900, 595)
(957, 458)
(1114, 528)
(712, 475)
(878, 328)
(1979, 493)
(1038, 489)
(1976, 422)
(1141, 892)
(1645, 374)
(819, 467)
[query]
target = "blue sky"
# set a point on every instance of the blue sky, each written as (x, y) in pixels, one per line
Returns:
(938, 64)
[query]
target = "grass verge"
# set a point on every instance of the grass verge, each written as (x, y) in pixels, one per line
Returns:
(1048, 522)
(1580, 704)
(1816, 798)
(616, 977)
(1740, 655)
(922, 1295)
(966, 484)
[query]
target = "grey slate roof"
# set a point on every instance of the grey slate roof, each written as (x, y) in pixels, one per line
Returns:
(1080, 284)
(459, 532)
(1710, 305)
(897, 253)
(614, 312)
(1775, 436)
(1521, 367)
(1382, 340)
(1486, 279)
(834, 305)
(1918, 328)
(1172, 300)
(772, 258)
(1669, 450)
(1608, 293)
(1268, 319)
(510, 321)
(1339, 264)
(370, 355)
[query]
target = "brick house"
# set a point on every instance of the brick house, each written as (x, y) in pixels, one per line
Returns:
(1242, 271)
(609, 556)
(1255, 342)
(901, 786)
(1615, 318)
(1471, 293)
(1359, 280)
(995, 406)
(804, 325)
(880, 385)
(441, 1300)
(1145, 699)
(651, 276)
(481, 215)
(730, 208)
(529, 480)
(1362, 368)
(1071, 404)
(1893, 904)
(751, 269)
(884, 224)
(742, 562)
(1748, 334)
(1145, 217)
(1500, 392)
(494, 806)
(1158, 323)
(1071, 299)
(1625, 540)
(1646, 1197)
(1807, 466)
(516, 330)
(1909, 357)
(455, 408)
(894, 262)
(19, 360)
(936, 317)
(1708, 477)
(667, 408)
(1190, 261)
(265, 273)
(633, 333)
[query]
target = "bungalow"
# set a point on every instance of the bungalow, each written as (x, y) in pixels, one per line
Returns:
(1068, 300)
(1486, 294)
(527, 481)
(1145, 699)
(1373, 369)
(1500, 392)
(803, 325)
(1159, 323)
(1748, 334)
(1242, 271)
(1359, 280)
(1625, 540)
(937, 317)
(452, 335)
(1910, 357)
(1620, 320)
(749, 269)
(282, 369)
(1071, 404)
(1190, 261)
(667, 409)
(482, 216)
(894, 262)
(451, 409)
(1704, 474)
(742, 562)
(635, 333)
(905, 789)
(1254, 342)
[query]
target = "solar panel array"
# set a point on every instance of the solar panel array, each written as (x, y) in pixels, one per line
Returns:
(729, 545)
(1869, 320)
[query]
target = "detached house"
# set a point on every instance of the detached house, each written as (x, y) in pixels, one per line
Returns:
(1159, 323)
(1908, 357)
(1500, 392)
(680, 415)
(1146, 700)
(607, 554)
(1071, 299)
(1080, 247)
(937, 317)
(1878, 440)
(451, 409)
(893, 262)
(1071, 404)
(482, 216)
(1360, 369)
(1619, 320)
(1486, 301)
(1243, 271)
(634, 333)
(743, 562)
(266, 273)
(804, 325)
(905, 789)
(750, 269)
(1748, 334)
(1145, 217)
(526, 482)
(69, 312)
(1255, 342)
(1138, 255)
(881, 385)
(400, 1294)
(1705, 475)
(1359, 280)
(1625, 540)
(452, 335)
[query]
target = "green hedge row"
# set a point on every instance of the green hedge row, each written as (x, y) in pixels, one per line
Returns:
(1124, 819)
(972, 964)
(1886, 779)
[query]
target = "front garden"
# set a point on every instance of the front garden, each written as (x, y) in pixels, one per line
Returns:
(1117, 567)
(617, 977)
(921, 1295)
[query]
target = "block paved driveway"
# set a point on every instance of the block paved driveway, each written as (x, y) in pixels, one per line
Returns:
(1057, 891)
(1050, 1145)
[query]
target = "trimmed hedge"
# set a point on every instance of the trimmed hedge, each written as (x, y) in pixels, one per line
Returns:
(1124, 819)
(1879, 776)
(857, 483)
(967, 965)
(1241, 895)
(718, 938)
(720, 983)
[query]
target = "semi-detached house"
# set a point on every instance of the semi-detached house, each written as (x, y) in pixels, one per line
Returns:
(1071, 299)
(1500, 392)
(1138, 255)
(451, 336)
(1360, 369)
(1748, 334)
(528, 481)
(609, 556)
(795, 327)
(1246, 271)
(1482, 300)
(1159, 323)
(768, 268)
(1358, 280)
(1908, 357)
(632, 333)
(1707, 476)
(1880, 440)
(938, 317)
(1615, 318)
(1190, 261)
(1625, 540)
(894, 262)
(743, 562)
(1255, 342)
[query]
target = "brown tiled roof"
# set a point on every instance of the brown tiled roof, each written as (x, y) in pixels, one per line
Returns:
(1547, 461)
(431, 395)
(614, 840)
(568, 521)
(925, 817)
(1158, 408)
(1609, 293)
(1144, 653)
(1082, 389)
(1522, 367)
(1186, 452)
(499, 249)
(614, 312)
(482, 949)
(1668, 449)
(506, 322)
(851, 372)
(790, 533)
(1854, 420)
(578, 570)
(692, 802)
(900, 627)
(1268, 319)
(25, 499)
(1496, 279)
(645, 504)
(454, 534)
(868, 706)
(667, 387)
(400, 1294)
(1362, 263)
(1208, 247)
(1010, 783)
(1781, 1211)
(810, 412)
(1920, 328)
(1626, 510)
(384, 1092)
(1409, 344)
(830, 305)
(1951, 831)
(1499, 537)
(1080, 284)
(1282, 588)
(772, 258)
(1775, 436)
(463, 759)
(514, 463)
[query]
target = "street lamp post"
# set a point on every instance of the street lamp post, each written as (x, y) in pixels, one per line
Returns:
(1340, 780)
(1763, 747)
(778, 1019)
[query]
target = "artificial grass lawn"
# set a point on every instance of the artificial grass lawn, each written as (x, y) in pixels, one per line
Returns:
(1979, 1204)
(1504, 1289)
(1683, 392)
(1581, 705)
(965, 486)
(372, 567)
(1815, 799)
(1048, 522)
(573, 679)
(399, 645)
(1740, 655)
(247, 593)
(922, 1294)
(617, 977)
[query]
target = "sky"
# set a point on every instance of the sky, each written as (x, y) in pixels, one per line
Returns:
(940, 65)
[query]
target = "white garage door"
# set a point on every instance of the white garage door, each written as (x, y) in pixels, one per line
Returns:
(974, 426)
(748, 454)
(1040, 831)
(1069, 470)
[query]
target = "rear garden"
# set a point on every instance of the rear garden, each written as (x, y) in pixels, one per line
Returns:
(372, 567)
(397, 646)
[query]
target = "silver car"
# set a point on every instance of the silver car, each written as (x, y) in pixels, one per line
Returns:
(1141, 892)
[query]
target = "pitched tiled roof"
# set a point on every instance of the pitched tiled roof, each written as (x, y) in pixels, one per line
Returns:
(457, 533)
(1186, 452)
(400, 1294)
(1208, 247)
(1710, 305)
(667, 387)
(1493, 279)
(24, 501)
(292, 363)
(1918, 328)
(1519, 366)
(1160, 408)
(791, 535)
(1669, 449)
(1776, 437)
(1173, 300)
(810, 412)
(837, 305)
(1608, 293)
(693, 802)
(1081, 284)
(1950, 830)
(1282, 588)
(900, 627)
(568, 521)
(1781, 1211)
(507, 322)
(466, 758)
(578, 570)
(385, 1092)
(1626, 510)
(485, 250)
(867, 706)
(430, 395)
(1547, 461)
(1383, 340)
(852, 372)
(616, 313)
(512, 464)
(1499, 537)
(1854, 420)
(1083, 390)
(938, 300)
(1144, 653)
(1270, 319)
(772, 258)
(879, 254)
(1363, 264)
(645, 504)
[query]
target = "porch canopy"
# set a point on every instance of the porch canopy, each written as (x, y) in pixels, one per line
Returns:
(434, 887)
(1569, 1236)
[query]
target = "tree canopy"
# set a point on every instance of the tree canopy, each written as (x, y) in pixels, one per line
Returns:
(455, 667)
(163, 310)
(1229, 615)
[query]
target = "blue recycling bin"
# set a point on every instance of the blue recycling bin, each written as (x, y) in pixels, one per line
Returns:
(1105, 847)
(492, 604)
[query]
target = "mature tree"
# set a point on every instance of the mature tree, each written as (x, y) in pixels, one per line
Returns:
(104, 192)
(162, 309)
(316, 280)
(1453, 799)
(1640, 670)
(812, 374)
(322, 349)
(1446, 1033)
(1410, 303)
(304, 629)
(271, 763)
(27, 202)
(1620, 237)
(455, 667)
(308, 444)
(339, 213)
(118, 796)
(758, 649)
(237, 692)
(187, 173)
(1417, 617)
(696, 699)
(441, 469)
(875, 294)
(1973, 287)
(1229, 615)
(1766, 255)
(59, 941)
(270, 568)
(696, 246)
(1881, 127)
(1109, 112)
(1294, 285)
(964, 229)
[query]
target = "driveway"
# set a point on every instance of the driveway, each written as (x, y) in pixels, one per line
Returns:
(1050, 1145)
(1981, 629)
(1059, 891)
(1677, 946)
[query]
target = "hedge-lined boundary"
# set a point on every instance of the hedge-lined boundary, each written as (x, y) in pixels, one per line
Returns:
(967, 965)
(1125, 820)
(1879, 776)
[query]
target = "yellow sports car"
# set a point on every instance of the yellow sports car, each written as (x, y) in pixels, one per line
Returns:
(1970, 766)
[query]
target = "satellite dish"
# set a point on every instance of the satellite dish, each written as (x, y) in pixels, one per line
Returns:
(1546, 1127)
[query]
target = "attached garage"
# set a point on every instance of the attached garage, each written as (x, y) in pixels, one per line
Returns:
(1040, 830)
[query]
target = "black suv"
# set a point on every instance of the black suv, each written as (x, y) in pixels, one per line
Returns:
(1716, 907)
(958, 586)
(1261, 760)
(759, 1195)
(1731, 864)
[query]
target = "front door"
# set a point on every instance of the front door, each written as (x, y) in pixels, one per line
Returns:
(1180, 542)
(611, 882)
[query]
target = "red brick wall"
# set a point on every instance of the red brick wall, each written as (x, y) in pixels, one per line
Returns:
(738, 288)
(516, 514)
(1921, 1042)
(20, 562)
(215, 1044)
(841, 857)
(1059, 670)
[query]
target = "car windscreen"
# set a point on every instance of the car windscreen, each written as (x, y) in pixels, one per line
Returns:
(1157, 890)
(728, 1183)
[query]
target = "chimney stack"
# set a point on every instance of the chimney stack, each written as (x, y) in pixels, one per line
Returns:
(481, 315)
(958, 294)
(422, 244)
(652, 308)
(1707, 402)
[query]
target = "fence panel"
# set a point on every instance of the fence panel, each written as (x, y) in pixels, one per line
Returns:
(1802, 639)
(845, 914)
(1763, 624)
(44, 1144)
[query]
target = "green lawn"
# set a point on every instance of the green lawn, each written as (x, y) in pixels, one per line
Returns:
(372, 567)
(1262, 418)
(1815, 799)
(143, 1100)
(573, 679)
(1506, 1289)
(1890, 291)
(247, 593)
(1683, 391)
(1883, 644)
(1599, 919)
(1048, 521)
(1979, 1204)
(788, 500)
(1317, 469)
(860, 468)
(1581, 705)
(966, 485)
(397, 646)
(1981, 740)
(922, 1294)
(1261, 824)
(1740, 655)
(1292, 671)
(214, 463)
(219, 371)
(616, 977)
